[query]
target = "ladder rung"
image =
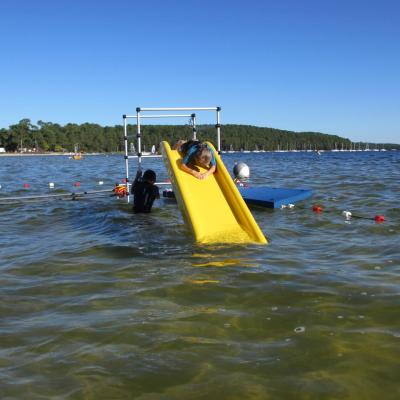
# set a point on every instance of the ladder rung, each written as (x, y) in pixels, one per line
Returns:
(147, 156)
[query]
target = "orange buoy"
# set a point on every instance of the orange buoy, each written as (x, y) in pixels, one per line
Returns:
(317, 209)
(120, 191)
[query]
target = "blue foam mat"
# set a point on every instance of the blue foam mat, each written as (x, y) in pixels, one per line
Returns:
(273, 197)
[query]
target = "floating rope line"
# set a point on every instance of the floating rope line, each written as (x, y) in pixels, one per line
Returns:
(348, 215)
(120, 190)
(379, 218)
(73, 196)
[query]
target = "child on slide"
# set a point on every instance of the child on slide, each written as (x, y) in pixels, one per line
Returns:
(196, 154)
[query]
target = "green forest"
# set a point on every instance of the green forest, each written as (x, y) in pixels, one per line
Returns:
(88, 137)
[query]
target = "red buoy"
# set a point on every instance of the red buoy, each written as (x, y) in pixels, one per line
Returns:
(379, 218)
(124, 180)
(26, 185)
(77, 184)
(317, 209)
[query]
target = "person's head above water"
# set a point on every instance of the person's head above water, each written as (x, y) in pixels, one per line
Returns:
(149, 176)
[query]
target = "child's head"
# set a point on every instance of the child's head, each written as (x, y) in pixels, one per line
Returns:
(149, 176)
(202, 157)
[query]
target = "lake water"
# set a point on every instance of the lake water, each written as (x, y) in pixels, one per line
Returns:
(98, 303)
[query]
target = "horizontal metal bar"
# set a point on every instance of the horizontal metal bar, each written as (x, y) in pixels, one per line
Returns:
(177, 108)
(157, 183)
(159, 116)
(147, 156)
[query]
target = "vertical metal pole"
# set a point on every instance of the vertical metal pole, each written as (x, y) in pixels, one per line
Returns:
(126, 157)
(194, 126)
(218, 126)
(139, 140)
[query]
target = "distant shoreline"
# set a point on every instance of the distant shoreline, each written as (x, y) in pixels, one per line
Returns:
(70, 155)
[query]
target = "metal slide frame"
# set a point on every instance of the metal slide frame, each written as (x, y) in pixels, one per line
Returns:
(139, 116)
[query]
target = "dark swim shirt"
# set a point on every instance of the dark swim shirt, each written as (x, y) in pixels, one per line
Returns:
(144, 194)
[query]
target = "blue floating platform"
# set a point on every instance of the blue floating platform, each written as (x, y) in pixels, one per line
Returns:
(273, 197)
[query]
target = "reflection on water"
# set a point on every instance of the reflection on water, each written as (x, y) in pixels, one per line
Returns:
(225, 263)
(216, 259)
(98, 303)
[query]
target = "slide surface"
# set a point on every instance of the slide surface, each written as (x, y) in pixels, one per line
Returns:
(213, 207)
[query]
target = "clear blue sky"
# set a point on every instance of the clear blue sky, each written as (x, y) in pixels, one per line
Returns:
(328, 66)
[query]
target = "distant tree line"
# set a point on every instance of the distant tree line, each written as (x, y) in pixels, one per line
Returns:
(47, 136)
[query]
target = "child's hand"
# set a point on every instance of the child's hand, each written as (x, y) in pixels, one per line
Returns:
(207, 173)
(204, 176)
(197, 174)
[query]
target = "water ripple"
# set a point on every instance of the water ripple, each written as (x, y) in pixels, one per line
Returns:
(99, 303)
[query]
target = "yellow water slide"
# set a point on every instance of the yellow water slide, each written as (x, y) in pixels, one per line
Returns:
(213, 207)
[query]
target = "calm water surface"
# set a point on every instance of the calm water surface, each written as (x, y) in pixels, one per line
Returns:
(98, 303)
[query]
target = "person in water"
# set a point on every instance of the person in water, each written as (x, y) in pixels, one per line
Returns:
(144, 191)
(196, 154)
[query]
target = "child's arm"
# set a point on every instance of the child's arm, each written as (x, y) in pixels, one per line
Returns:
(137, 177)
(208, 173)
(178, 144)
(191, 171)
(198, 174)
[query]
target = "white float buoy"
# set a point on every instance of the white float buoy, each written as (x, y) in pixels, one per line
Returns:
(51, 185)
(347, 214)
(241, 171)
(101, 182)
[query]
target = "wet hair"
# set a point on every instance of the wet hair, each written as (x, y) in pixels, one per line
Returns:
(202, 156)
(149, 176)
